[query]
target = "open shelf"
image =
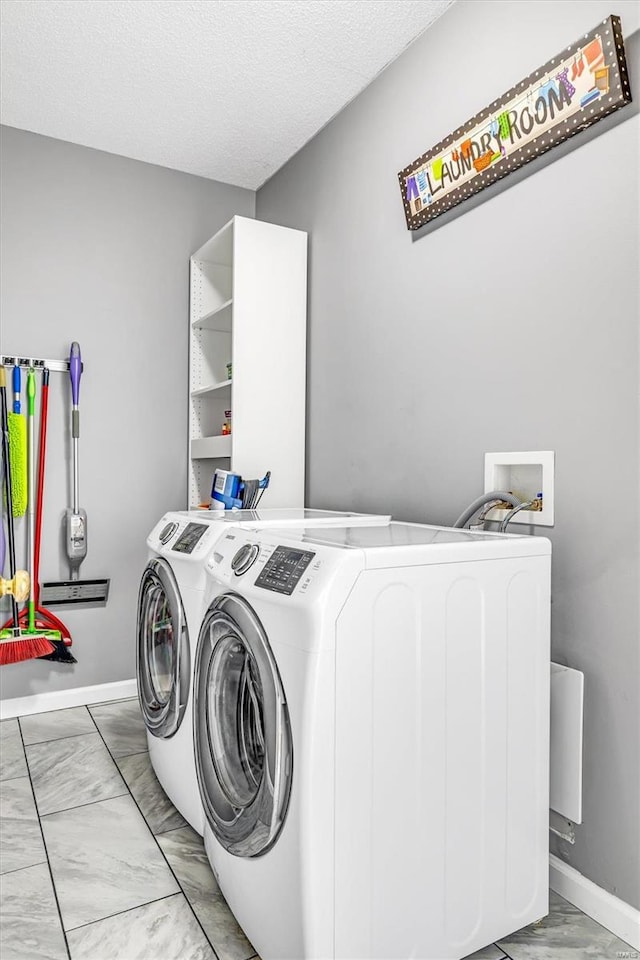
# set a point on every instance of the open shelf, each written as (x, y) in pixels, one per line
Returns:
(219, 249)
(209, 447)
(218, 319)
(214, 388)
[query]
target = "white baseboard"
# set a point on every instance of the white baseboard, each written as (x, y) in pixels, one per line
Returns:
(607, 910)
(60, 699)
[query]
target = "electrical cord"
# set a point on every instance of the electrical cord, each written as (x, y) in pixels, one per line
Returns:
(263, 486)
(260, 495)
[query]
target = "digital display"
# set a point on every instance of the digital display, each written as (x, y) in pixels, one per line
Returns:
(189, 537)
(284, 569)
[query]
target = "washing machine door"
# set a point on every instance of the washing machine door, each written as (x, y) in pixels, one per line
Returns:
(244, 755)
(163, 657)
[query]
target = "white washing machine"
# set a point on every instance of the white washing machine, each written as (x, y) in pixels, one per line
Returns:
(371, 718)
(170, 611)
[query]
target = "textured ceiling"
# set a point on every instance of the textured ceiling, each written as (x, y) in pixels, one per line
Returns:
(227, 89)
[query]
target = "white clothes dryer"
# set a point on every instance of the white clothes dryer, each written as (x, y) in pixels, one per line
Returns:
(170, 611)
(371, 720)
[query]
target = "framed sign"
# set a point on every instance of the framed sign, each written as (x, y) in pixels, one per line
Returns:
(583, 84)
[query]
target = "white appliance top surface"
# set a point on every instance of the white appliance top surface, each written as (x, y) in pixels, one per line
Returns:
(274, 516)
(412, 543)
(190, 535)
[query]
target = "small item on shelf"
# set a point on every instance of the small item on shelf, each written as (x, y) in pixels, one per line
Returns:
(229, 368)
(231, 492)
(226, 426)
(225, 492)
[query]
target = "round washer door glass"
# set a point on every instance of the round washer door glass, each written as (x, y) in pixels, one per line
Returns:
(163, 658)
(244, 756)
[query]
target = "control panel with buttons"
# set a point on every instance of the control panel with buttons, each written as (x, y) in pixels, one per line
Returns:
(284, 569)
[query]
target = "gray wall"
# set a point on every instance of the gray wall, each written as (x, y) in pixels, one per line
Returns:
(514, 327)
(95, 248)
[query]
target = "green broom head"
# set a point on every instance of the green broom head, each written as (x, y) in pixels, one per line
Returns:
(32, 628)
(29, 633)
(53, 635)
(18, 458)
(8, 633)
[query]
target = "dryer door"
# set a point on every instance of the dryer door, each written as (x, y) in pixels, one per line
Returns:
(163, 658)
(244, 756)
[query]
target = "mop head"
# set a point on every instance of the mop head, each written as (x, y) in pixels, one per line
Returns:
(18, 458)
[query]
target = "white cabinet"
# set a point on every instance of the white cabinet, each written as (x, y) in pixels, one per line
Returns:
(248, 307)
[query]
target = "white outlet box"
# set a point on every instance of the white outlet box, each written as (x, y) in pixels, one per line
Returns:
(526, 475)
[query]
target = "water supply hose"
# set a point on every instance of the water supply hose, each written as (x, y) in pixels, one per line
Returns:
(493, 495)
(507, 520)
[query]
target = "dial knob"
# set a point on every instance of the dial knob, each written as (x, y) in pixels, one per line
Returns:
(244, 558)
(168, 531)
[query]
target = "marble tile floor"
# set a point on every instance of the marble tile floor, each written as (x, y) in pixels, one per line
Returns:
(96, 863)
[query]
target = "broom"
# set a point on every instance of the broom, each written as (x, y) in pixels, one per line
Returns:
(39, 616)
(14, 645)
(18, 448)
(47, 624)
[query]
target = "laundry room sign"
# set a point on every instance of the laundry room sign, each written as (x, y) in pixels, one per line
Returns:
(580, 86)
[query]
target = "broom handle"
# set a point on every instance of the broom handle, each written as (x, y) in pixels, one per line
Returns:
(31, 407)
(75, 372)
(7, 486)
(51, 620)
(42, 451)
(76, 485)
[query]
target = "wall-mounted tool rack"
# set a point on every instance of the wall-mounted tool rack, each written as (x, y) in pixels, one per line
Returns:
(36, 363)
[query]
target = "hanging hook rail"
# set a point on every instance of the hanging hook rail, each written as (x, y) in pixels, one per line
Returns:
(37, 363)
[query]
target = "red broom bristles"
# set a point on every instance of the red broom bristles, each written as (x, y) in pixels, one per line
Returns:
(24, 648)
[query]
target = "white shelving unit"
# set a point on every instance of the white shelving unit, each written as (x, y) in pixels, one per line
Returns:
(217, 319)
(214, 388)
(248, 307)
